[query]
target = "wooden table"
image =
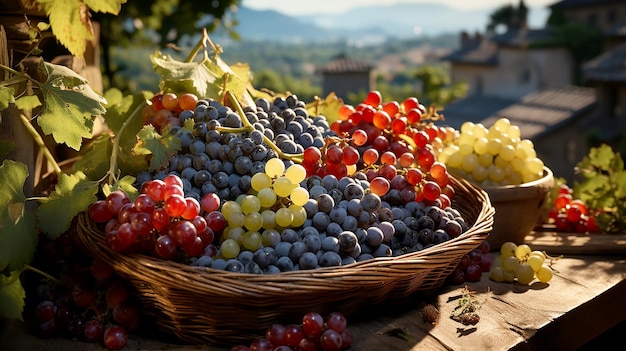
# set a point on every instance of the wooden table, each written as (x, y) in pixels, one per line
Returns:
(586, 297)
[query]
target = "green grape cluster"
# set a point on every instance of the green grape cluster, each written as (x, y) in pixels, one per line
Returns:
(274, 202)
(493, 156)
(520, 263)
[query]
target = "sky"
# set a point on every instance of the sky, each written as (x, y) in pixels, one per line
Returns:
(337, 6)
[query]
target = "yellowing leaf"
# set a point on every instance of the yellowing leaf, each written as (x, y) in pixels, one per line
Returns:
(27, 102)
(191, 77)
(72, 195)
(13, 175)
(70, 23)
(159, 147)
(328, 107)
(70, 106)
(12, 296)
(6, 97)
(105, 6)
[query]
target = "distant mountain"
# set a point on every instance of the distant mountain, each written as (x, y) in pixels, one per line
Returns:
(366, 23)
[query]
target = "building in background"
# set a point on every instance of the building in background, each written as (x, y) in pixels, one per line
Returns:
(345, 75)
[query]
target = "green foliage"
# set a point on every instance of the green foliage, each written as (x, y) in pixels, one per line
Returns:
(70, 105)
(70, 20)
(12, 296)
(72, 194)
(603, 187)
(161, 147)
(18, 235)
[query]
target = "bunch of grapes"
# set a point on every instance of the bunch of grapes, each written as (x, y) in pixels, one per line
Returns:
(472, 265)
(393, 144)
(88, 301)
(222, 149)
(571, 215)
(314, 334)
(160, 221)
(493, 156)
(520, 263)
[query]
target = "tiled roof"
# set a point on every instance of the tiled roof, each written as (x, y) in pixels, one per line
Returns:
(344, 64)
(522, 37)
(608, 67)
(536, 114)
(484, 53)
(582, 3)
(473, 108)
(542, 112)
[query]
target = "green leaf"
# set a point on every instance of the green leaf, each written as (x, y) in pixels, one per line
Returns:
(619, 179)
(105, 6)
(43, 26)
(6, 147)
(70, 23)
(191, 77)
(13, 175)
(72, 195)
(12, 296)
(328, 107)
(125, 184)
(18, 230)
(601, 157)
(94, 158)
(113, 96)
(118, 113)
(160, 147)
(27, 102)
(6, 97)
(70, 106)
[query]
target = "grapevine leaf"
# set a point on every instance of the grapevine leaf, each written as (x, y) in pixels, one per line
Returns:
(70, 24)
(6, 147)
(13, 175)
(105, 6)
(27, 102)
(328, 107)
(70, 105)
(18, 234)
(92, 157)
(12, 296)
(620, 184)
(113, 96)
(72, 195)
(6, 97)
(125, 184)
(177, 76)
(118, 113)
(150, 142)
(601, 157)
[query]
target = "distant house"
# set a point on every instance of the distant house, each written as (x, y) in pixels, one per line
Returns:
(508, 65)
(607, 72)
(345, 75)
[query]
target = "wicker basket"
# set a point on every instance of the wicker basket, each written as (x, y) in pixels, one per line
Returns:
(204, 305)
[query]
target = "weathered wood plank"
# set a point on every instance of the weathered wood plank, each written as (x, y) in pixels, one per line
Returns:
(576, 243)
(584, 299)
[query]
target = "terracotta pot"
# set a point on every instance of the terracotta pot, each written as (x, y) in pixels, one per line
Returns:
(518, 209)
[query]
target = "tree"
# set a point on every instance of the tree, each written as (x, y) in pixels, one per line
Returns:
(508, 16)
(162, 22)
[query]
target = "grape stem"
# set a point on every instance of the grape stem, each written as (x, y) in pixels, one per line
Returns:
(40, 272)
(298, 158)
(116, 141)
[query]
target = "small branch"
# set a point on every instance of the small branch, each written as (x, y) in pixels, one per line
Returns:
(40, 272)
(40, 142)
(116, 142)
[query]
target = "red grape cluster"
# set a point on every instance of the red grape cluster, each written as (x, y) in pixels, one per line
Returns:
(393, 144)
(472, 265)
(89, 302)
(571, 215)
(160, 221)
(314, 334)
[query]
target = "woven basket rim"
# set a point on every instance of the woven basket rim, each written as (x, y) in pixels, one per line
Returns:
(484, 225)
